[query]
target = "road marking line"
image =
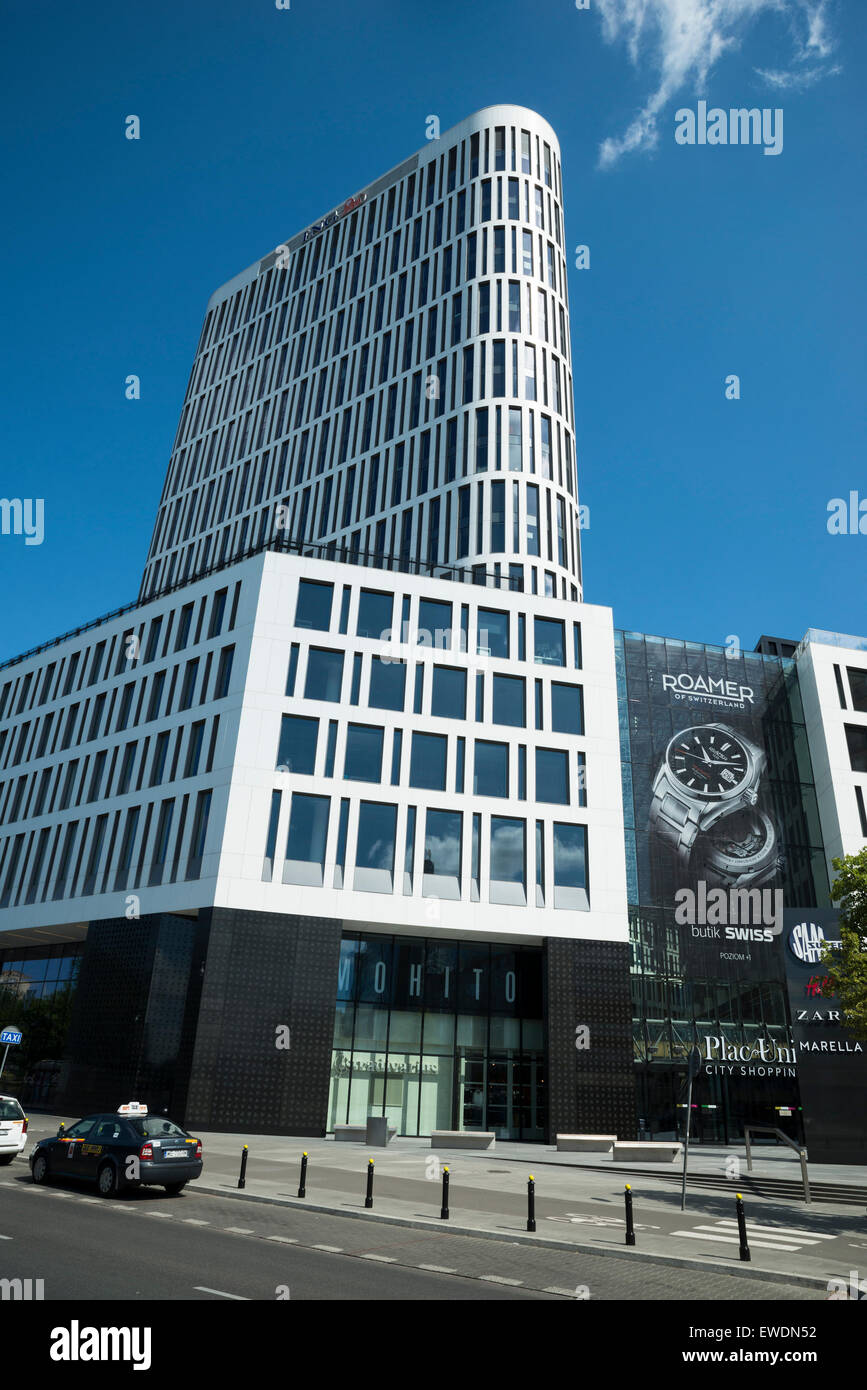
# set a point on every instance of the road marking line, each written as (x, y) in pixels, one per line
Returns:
(160, 1215)
(192, 1221)
(239, 1297)
(286, 1240)
(239, 1230)
(5, 1237)
(498, 1279)
(733, 1240)
(777, 1230)
(564, 1293)
(332, 1249)
(437, 1269)
(802, 1240)
(386, 1259)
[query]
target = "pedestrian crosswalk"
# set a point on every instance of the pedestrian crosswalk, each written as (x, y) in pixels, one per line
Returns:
(762, 1237)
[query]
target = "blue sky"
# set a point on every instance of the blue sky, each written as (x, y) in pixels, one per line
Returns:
(707, 516)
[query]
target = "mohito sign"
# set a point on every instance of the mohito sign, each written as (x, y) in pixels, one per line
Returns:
(349, 206)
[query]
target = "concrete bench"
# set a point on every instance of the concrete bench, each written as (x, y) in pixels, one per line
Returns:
(585, 1143)
(462, 1139)
(356, 1134)
(631, 1151)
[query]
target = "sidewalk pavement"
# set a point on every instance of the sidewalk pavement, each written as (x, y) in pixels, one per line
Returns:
(579, 1201)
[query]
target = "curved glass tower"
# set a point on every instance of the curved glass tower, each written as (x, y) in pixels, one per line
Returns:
(395, 380)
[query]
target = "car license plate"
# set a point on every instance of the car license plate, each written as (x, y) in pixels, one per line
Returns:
(175, 1153)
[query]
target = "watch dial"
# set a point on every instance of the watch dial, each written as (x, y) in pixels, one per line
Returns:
(708, 762)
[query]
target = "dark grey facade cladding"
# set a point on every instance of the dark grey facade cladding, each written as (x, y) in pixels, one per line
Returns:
(265, 970)
(590, 1091)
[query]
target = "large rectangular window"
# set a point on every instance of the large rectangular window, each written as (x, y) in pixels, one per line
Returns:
(549, 641)
(427, 766)
(314, 605)
(297, 750)
(387, 684)
(493, 633)
(308, 834)
(508, 881)
(567, 708)
(856, 738)
(552, 775)
(363, 762)
(374, 850)
(442, 854)
(570, 867)
(509, 701)
(324, 675)
(374, 614)
(449, 692)
(491, 769)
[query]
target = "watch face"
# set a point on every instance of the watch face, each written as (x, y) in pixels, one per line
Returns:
(708, 762)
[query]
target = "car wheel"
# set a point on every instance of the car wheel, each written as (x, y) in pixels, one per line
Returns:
(39, 1168)
(106, 1180)
(174, 1189)
(6, 1158)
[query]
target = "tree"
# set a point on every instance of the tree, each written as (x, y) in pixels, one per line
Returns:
(847, 964)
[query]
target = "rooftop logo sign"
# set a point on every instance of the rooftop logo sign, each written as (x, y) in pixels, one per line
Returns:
(349, 206)
(708, 690)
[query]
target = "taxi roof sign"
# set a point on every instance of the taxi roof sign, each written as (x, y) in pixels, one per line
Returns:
(132, 1107)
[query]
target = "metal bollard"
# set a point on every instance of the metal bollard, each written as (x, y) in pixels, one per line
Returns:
(444, 1209)
(630, 1229)
(744, 1250)
(242, 1180)
(531, 1203)
(302, 1185)
(368, 1201)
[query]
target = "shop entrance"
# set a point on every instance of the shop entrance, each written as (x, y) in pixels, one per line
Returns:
(722, 1105)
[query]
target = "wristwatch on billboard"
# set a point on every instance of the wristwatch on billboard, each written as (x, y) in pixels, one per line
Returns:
(708, 772)
(747, 857)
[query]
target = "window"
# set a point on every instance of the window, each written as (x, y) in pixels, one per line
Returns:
(199, 835)
(387, 684)
(549, 641)
(324, 674)
(308, 833)
(194, 748)
(493, 633)
(442, 854)
(428, 761)
(188, 688)
(434, 623)
(858, 688)
(567, 708)
(297, 750)
(363, 762)
(552, 775)
(314, 605)
(510, 701)
(449, 693)
(224, 673)
(374, 850)
(491, 770)
(570, 867)
(515, 440)
(374, 614)
(856, 737)
(508, 860)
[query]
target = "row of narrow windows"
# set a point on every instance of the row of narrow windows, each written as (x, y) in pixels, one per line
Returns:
(139, 846)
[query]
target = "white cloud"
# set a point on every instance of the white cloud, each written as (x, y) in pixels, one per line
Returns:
(796, 81)
(682, 40)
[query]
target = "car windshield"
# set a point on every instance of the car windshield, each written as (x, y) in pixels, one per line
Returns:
(155, 1127)
(10, 1110)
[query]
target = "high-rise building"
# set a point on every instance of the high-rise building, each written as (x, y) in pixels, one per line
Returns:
(360, 763)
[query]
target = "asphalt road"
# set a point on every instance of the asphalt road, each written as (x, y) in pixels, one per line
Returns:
(146, 1245)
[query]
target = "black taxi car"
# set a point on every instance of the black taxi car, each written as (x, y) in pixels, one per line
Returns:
(128, 1148)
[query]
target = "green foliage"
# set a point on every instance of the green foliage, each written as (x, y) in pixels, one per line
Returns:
(44, 1023)
(847, 965)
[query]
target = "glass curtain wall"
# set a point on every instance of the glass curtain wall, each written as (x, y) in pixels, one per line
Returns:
(439, 1036)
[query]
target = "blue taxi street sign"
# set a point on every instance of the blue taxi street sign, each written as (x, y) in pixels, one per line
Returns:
(10, 1036)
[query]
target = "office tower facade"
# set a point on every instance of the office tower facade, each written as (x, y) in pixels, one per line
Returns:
(396, 379)
(345, 815)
